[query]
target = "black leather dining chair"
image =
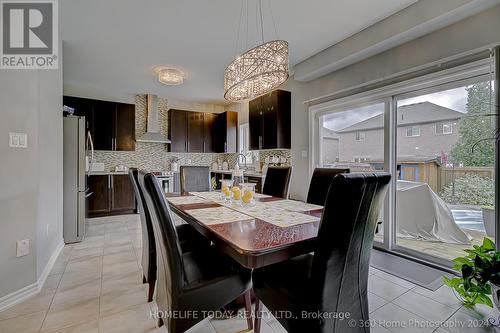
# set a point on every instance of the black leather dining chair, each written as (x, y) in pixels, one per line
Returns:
(331, 281)
(188, 236)
(195, 178)
(189, 284)
(320, 183)
(277, 181)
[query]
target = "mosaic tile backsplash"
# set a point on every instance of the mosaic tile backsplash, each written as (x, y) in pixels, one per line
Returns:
(154, 156)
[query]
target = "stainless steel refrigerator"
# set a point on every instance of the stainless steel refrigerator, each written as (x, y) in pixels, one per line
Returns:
(75, 177)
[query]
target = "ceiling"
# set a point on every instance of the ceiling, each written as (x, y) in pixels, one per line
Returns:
(111, 47)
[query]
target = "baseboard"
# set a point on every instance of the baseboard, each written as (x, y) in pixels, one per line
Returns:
(20, 295)
(50, 264)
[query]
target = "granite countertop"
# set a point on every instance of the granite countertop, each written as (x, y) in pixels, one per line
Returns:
(109, 173)
(245, 173)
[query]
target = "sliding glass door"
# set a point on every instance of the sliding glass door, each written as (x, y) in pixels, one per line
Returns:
(445, 168)
(435, 135)
(353, 138)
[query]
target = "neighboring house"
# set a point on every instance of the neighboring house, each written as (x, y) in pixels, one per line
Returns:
(424, 129)
(330, 147)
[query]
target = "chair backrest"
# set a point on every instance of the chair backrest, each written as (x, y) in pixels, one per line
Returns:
(277, 181)
(170, 267)
(148, 238)
(344, 243)
(195, 178)
(320, 183)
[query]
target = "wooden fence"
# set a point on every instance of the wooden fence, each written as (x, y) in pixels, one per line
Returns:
(447, 175)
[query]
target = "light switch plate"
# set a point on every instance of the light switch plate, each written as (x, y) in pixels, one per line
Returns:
(22, 248)
(18, 140)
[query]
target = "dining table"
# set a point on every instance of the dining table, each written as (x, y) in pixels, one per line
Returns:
(268, 231)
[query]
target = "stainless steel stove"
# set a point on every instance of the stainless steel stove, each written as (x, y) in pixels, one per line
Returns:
(166, 180)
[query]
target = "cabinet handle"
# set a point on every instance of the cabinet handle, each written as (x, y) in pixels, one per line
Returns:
(188, 146)
(109, 182)
(225, 147)
(260, 141)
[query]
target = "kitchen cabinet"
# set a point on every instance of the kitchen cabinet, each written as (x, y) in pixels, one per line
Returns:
(198, 132)
(125, 127)
(111, 124)
(195, 129)
(98, 202)
(122, 193)
(103, 125)
(209, 132)
(177, 132)
(269, 121)
(226, 132)
(111, 195)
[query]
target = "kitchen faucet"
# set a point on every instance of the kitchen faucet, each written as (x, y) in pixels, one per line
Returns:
(244, 159)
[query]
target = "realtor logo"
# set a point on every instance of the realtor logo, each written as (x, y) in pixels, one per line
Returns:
(29, 38)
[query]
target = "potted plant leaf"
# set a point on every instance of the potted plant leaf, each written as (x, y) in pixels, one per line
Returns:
(480, 278)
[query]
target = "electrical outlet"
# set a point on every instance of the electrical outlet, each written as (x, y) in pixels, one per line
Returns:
(22, 248)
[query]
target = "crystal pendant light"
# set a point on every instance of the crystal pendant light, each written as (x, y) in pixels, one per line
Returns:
(258, 70)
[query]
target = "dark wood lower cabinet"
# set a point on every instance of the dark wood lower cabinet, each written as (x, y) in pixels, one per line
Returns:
(112, 195)
(98, 202)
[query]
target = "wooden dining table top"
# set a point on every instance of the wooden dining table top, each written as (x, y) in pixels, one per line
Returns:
(252, 242)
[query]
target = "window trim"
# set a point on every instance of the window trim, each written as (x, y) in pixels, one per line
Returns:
(443, 124)
(412, 131)
(360, 138)
(390, 94)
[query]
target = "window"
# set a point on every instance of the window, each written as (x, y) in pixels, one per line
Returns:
(244, 144)
(429, 136)
(444, 128)
(360, 136)
(412, 131)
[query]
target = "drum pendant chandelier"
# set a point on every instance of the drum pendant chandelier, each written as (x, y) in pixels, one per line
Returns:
(258, 70)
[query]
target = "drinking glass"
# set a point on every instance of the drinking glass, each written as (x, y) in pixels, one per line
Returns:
(225, 189)
(248, 193)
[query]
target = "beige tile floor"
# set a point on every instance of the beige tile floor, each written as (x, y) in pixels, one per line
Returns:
(96, 286)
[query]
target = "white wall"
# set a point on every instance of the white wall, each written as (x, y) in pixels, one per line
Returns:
(31, 178)
(472, 33)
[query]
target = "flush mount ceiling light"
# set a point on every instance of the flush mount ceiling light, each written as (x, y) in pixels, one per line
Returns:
(170, 76)
(258, 70)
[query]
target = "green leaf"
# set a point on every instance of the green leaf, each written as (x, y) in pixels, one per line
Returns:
(488, 244)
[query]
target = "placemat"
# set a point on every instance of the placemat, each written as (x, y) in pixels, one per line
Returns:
(293, 205)
(213, 196)
(275, 215)
(186, 200)
(217, 215)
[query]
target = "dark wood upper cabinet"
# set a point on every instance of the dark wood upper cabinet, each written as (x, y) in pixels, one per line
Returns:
(103, 132)
(208, 132)
(195, 129)
(82, 107)
(125, 127)
(255, 123)
(270, 121)
(198, 132)
(177, 130)
(226, 132)
(111, 124)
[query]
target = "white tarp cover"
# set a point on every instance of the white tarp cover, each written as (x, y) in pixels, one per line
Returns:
(422, 214)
